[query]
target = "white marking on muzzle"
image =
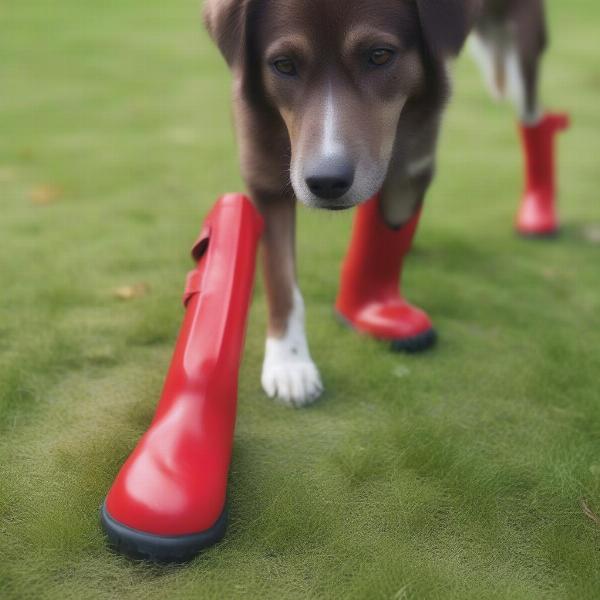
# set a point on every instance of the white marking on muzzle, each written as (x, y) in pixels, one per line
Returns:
(330, 144)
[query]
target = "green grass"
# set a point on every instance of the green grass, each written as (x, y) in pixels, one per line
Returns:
(457, 474)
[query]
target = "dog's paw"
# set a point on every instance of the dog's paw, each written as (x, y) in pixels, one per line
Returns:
(296, 383)
(289, 372)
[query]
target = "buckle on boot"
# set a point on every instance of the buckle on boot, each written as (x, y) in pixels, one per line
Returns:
(193, 283)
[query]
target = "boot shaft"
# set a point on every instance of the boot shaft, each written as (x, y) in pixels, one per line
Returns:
(539, 149)
(211, 339)
(374, 261)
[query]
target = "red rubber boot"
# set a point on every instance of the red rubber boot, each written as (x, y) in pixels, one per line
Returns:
(370, 300)
(169, 499)
(537, 214)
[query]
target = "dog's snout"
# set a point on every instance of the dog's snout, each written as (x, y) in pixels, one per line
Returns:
(330, 178)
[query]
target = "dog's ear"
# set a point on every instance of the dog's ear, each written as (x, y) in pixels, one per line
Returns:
(230, 24)
(226, 23)
(447, 23)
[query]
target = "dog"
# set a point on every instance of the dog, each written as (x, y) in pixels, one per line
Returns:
(339, 101)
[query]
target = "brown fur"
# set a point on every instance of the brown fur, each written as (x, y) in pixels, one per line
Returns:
(387, 119)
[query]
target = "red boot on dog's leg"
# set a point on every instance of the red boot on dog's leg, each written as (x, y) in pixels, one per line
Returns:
(370, 300)
(537, 215)
(168, 501)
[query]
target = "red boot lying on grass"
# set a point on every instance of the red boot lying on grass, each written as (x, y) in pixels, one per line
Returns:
(169, 499)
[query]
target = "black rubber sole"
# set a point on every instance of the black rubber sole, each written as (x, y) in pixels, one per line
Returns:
(412, 345)
(550, 235)
(158, 548)
(419, 343)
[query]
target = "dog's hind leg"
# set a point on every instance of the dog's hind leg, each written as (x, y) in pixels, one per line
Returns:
(508, 42)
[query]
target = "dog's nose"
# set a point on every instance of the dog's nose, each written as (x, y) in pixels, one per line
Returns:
(330, 178)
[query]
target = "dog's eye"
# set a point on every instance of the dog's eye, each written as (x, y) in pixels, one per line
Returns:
(285, 66)
(380, 57)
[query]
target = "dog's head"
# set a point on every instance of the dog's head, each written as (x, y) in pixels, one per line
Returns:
(339, 73)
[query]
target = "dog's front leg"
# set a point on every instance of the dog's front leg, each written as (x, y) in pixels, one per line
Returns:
(289, 372)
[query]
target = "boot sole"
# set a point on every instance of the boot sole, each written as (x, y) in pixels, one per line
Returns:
(542, 235)
(412, 345)
(159, 548)
(418, 343)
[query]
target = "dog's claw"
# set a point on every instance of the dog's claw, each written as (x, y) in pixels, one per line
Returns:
(295, 383)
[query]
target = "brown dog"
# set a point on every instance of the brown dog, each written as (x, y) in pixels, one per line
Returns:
(336, 100)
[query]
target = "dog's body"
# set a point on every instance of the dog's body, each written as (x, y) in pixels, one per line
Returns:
(345, 99)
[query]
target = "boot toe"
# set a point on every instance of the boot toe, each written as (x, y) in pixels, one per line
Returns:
(156, 514)
(407, 328)
(535, 218)
(157, 503)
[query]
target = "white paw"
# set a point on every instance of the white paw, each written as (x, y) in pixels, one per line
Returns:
(296, 383)
(289, 372)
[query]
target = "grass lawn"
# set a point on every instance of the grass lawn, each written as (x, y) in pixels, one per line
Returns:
(456, 474)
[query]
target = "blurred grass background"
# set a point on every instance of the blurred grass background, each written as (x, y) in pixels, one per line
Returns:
(456, 474)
